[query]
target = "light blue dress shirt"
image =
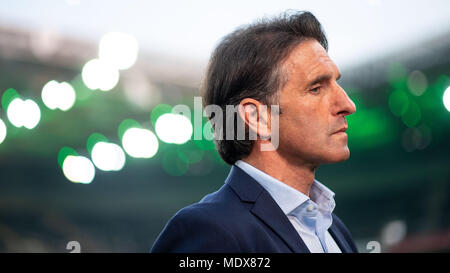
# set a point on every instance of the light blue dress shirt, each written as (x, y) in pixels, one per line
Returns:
(311, 217)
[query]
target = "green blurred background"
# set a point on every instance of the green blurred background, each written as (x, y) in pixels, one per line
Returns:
(394, 189)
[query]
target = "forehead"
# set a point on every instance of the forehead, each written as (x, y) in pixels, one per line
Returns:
(309, 60)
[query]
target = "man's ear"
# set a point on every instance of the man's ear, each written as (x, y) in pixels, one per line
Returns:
(256, 116)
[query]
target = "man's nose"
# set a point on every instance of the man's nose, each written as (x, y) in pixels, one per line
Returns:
(344, 105)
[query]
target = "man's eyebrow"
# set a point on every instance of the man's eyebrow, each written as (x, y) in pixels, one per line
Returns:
(322, 78)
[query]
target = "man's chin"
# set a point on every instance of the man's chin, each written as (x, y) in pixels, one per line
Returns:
(338, 156)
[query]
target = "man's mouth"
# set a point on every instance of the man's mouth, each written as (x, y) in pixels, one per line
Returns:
(342, 130)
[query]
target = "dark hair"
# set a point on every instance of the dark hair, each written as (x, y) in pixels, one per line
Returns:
(248, 64)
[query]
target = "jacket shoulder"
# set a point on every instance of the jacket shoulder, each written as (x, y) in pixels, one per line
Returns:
(200, 227)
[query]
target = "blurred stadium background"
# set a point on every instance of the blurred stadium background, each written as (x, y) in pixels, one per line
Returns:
(57, 184)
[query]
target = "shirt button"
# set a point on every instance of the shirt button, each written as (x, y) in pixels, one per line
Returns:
(310, 208)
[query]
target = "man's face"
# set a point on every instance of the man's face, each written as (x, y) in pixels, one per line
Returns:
(313, 108)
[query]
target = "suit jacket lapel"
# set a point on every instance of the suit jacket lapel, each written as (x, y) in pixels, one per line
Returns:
(265, 208)
(270, 213)
(339, 238)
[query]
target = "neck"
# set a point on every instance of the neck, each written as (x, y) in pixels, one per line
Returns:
(299, 176)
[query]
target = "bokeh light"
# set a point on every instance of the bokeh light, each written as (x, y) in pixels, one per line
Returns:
(94, 139)
(24, 113)
(173, 164)
(67, 96)
(397, 75)
(14, 112)
(2, 131)
(97, 74)
(119, 50)
(413, 115)
(393, 232)
(7, 97)
(125, 125)
(173, 128)
(158, 111)
(58, 95)
(108, 156)
(78, 169)
(49, 94)
(446, 98)
(417, 83)
(63, 153)
(416, 138)
(398, 102)
(369, 127)
(205, 144)
(140, 143)
(190, 153)
(32, 114)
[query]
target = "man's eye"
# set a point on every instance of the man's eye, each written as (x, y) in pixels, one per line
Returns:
(315, 90)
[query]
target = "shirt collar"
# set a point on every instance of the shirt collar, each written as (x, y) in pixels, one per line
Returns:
(287, 197)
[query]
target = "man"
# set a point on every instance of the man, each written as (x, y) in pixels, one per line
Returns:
(270, 201)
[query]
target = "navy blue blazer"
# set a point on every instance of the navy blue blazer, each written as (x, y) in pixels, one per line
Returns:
(240, 217)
